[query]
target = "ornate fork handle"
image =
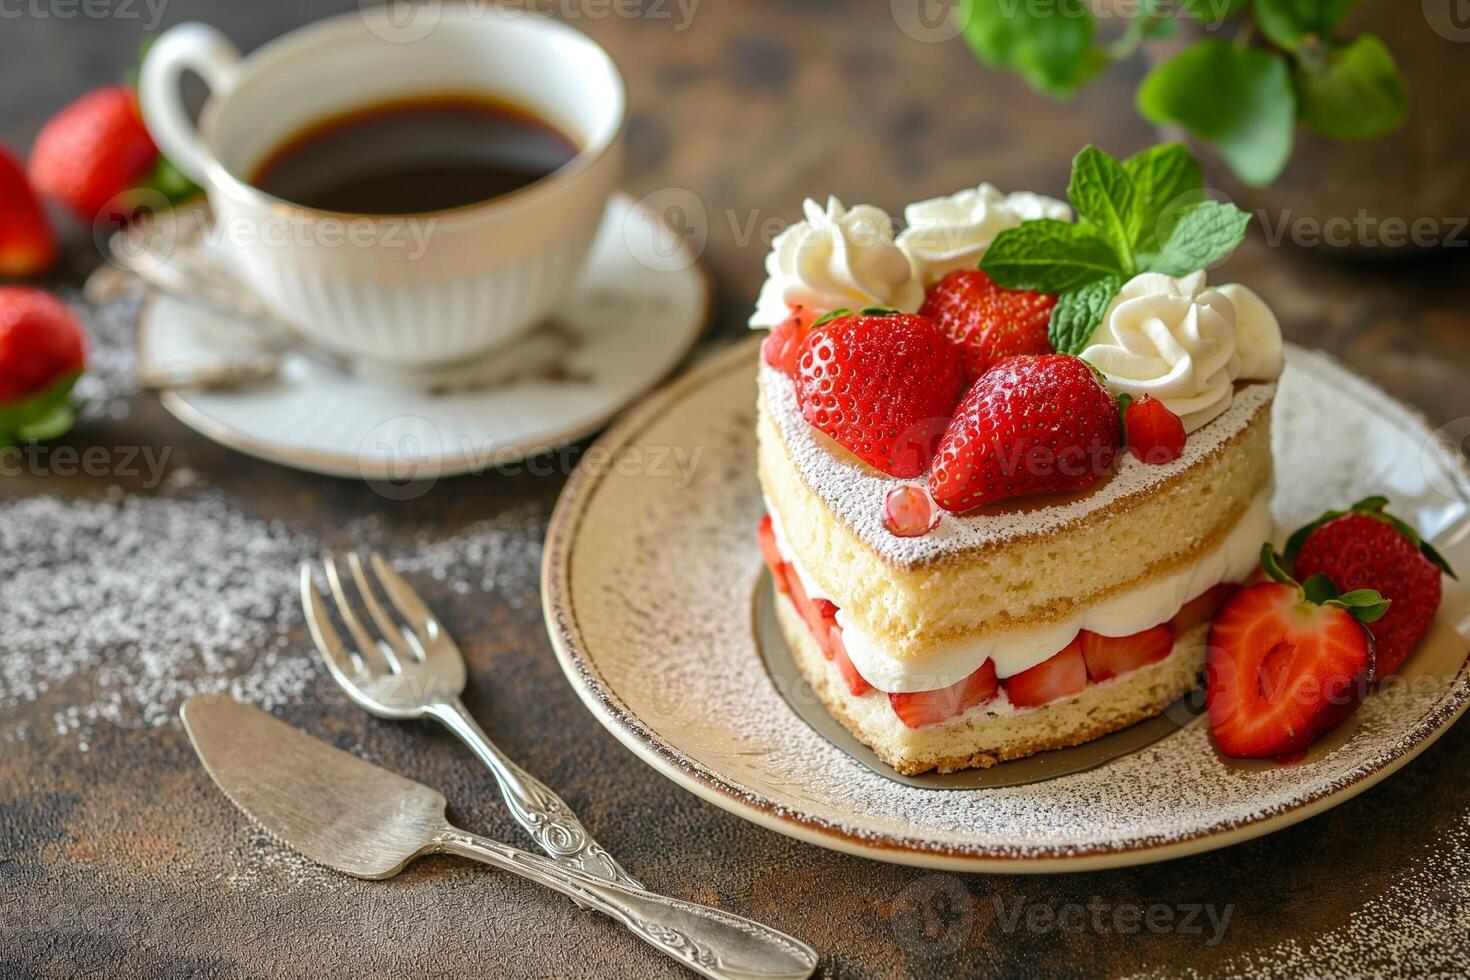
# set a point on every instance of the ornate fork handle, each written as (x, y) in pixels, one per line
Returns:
(543, 814)
(710, 941)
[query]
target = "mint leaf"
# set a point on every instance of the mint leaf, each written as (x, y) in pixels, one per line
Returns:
(1050, 44)
(1103, 194)
(1049, 256)
(1078, 312)
(1354, 93)
(1203, 235)
(1287, 23)
(1239, 100)
(1162, 176)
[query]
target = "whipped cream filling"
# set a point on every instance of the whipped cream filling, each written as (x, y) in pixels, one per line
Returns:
(1154, 602)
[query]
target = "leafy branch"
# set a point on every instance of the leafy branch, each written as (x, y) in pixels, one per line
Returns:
(1243, 97)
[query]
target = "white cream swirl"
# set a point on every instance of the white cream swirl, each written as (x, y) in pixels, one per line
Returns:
(948, 233)
(1185, 344)
(838, 257)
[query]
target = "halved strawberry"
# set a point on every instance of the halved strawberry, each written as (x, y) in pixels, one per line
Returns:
(1202, 608)
(987, 322)
(857, 684)
(882, 385)
(1061, 675)
(782, 349)
(1368, 548)
(1112, 656)
(919, 708)
(1287, 663)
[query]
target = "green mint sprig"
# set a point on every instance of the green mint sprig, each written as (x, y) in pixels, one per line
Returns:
(1145, 214)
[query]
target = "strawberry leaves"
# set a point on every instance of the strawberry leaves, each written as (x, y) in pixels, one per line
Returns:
(45, 415)
(1374, 507)
(1145, 214)
(1364, 605)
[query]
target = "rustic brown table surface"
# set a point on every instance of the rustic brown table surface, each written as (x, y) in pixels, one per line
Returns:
(117, 856)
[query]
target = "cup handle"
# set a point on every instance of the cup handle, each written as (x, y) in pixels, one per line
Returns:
(189, 47)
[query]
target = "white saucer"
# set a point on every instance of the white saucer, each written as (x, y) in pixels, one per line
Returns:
(640, 305)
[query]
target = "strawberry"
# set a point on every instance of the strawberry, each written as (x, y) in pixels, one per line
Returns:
(987, 322)
(27, 245)
(917, 709)
(1155, 434)
(1112, 656)
(766, 535)
(1287, 662)
(41, 353)
(1061, 675)
(782, 349)
(1201, 609)
(882, 385)
(857, 684)
(1030, 425)
(91, 152)
(1367, 548)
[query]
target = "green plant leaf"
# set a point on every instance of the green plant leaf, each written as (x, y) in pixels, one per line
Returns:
(1203, 235)
(1102, 193)
(1239, 100)
(1162, 176)
(1354, 93)
(45, 415)
(1049, 256)
(1287, 23)
(1212, 12)
(1049, 44)
(1078, 312)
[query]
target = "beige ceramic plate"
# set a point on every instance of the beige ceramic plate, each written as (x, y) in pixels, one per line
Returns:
(652, 567)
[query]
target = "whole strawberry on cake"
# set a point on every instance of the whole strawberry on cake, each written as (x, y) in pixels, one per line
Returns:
(1014, 458)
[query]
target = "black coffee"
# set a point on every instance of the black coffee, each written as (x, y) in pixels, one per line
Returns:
(415, 156)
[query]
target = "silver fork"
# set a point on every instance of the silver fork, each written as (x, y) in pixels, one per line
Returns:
(412, 669)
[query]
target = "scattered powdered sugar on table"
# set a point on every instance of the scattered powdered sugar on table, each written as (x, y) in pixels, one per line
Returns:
(126, 605)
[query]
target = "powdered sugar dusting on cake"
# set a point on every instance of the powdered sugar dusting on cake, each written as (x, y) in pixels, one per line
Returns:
(659, 628)
(856, 494)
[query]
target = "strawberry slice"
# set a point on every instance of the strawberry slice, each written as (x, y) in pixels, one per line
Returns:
(766, 534)
(1061, 675)
(857, 684)
(1202, 608)
(919, 708)
(1112, 656)
(1287, 662)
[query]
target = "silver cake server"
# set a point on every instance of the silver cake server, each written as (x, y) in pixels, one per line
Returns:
(361, 819)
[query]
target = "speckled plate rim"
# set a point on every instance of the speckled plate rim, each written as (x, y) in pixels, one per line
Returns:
(350, 466)
(666, 758)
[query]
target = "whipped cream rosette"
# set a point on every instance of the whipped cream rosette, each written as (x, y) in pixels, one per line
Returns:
(838, 257)
(949, 233)
(1185, 344)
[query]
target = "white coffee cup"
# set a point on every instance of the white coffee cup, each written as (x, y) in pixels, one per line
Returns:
(411, 291)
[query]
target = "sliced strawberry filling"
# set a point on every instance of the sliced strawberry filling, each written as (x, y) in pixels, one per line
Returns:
(1089, 658)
